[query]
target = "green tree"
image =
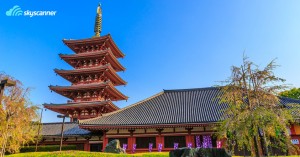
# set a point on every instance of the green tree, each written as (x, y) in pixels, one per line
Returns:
(17, 117)
(293, 93)
(254, 116)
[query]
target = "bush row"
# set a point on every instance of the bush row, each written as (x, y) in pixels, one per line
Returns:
(49, 148)
(87, 154)
(199, 152)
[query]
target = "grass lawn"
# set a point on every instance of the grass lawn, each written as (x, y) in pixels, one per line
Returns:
(88, 154)
(94, 154)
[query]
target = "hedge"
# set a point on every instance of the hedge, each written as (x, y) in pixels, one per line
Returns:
(87, 154)
(191, 152)
(49, 148)
(93, 154)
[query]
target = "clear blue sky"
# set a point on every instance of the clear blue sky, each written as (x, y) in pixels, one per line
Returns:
(169, 44)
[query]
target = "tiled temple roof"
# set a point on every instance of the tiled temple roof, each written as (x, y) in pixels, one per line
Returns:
(167, 107)
(70, 129)
(184, 106)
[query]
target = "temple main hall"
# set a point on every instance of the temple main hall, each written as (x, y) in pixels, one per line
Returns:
(162, 122)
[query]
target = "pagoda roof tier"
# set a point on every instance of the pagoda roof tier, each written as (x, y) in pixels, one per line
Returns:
(103, 106)
(83, 45)
(105, 87)
(106, 69)
(107, 53)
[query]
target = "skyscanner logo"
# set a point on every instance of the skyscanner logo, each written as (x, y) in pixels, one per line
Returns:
(14, 11)
(17, 11)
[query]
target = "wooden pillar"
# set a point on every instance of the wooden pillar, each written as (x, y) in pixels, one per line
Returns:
(188, 138)
(193, 140)
(105, 140)
(131, 141)
(87, 144)
(159, 138)
(292, 128)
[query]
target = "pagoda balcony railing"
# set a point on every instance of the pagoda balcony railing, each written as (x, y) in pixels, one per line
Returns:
(85, 100)
(88, 82)
(89, 66)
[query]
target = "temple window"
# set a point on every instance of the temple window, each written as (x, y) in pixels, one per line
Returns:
(93, 113)
(89, 78)
(78, 64)
(94, 94)
(81, 79)
(88, 94)
(76, 79)
(78, 95)
(143, 142)
(75, 114)
(91, 63)
(170, 140)
(96, 77)
(84, 113)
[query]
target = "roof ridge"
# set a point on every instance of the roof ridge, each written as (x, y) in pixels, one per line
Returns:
(88, 68)
(103, 36)
(90, 84)
(81, 102)
(49, 123)
(82, 54)
(127, 107)
(190, 89)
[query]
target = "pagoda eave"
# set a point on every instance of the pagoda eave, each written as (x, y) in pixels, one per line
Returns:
(91, 55)
(104, 106)
(71, 105)
(106, 69)
(107, 39)
(107, 86)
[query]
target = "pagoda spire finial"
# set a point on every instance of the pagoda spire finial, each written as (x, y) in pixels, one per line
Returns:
(98, 21)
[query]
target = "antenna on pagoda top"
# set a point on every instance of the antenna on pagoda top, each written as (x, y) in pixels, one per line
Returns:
(98, 21)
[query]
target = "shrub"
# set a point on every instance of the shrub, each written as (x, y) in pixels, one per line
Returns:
(213, 152)
(49, 148)
(87, 154)
(199, 152)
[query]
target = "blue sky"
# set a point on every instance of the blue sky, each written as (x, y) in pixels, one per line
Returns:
(169, 44)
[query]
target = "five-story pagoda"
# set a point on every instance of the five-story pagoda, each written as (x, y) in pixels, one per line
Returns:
(93, 78)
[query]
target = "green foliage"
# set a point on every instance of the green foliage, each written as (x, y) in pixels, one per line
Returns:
(88, 154)
(294, 93)
(205, 152)
(49, 148)
(213, 152)
(254, 113)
